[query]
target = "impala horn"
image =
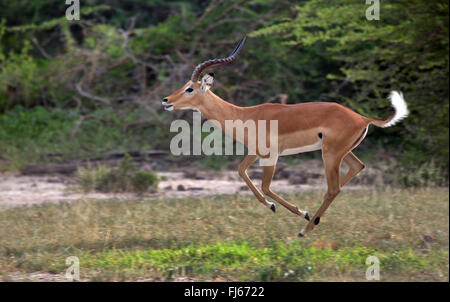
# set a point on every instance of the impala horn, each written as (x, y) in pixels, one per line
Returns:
(216, 62)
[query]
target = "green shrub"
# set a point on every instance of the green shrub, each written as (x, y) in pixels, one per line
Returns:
(142, 180)
(125, 177)
(88, 178)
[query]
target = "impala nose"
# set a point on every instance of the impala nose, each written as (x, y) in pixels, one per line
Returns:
(166, 106)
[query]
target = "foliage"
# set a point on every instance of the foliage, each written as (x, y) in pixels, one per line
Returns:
(406, 50)
(44, 135)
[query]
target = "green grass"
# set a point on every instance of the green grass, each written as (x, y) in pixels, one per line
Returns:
(281, 262)
(58, 135)
(234, 238)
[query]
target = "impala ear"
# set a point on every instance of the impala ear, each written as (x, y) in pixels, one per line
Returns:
(207, 81)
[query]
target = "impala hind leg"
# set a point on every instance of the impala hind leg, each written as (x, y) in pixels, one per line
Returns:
(355, 166)
(332, 167)
(243, 166)
(268, 172)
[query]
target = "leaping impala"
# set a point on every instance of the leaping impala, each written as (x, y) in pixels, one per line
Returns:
(326, 126)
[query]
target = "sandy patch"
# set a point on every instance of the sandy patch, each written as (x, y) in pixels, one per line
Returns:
(19, 190)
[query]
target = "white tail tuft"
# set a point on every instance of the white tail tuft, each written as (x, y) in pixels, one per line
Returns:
(401, 109)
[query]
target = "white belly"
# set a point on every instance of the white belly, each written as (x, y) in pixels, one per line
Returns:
(308, 148)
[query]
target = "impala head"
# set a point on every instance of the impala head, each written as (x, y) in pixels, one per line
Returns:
(191, 94)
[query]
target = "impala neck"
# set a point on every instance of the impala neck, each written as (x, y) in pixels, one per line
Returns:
(215, 108)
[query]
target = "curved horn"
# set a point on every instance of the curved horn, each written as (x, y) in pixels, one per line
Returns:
(216, 62)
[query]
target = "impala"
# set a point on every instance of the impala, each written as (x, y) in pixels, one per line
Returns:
(326, 126)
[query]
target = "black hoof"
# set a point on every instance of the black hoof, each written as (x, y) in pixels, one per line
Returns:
(300, 235)
(307, 216)
(272, 207)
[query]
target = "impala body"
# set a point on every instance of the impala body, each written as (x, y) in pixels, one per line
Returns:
(326, 126)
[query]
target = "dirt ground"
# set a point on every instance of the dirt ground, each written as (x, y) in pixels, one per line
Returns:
(47, 277)
(20, 190)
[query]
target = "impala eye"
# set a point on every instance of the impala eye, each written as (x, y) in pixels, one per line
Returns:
(190, 89)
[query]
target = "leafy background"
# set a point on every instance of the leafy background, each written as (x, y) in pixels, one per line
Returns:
(76, 89)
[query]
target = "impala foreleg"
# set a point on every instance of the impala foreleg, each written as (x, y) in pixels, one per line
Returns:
(268, 172)
(243, 166)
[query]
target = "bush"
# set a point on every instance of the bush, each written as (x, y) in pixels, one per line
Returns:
(142, 180)
(125, 177)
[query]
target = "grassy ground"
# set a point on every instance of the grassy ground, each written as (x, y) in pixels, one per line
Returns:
(234, 238)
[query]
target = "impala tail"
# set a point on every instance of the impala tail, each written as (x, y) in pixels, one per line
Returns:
(401, 111)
